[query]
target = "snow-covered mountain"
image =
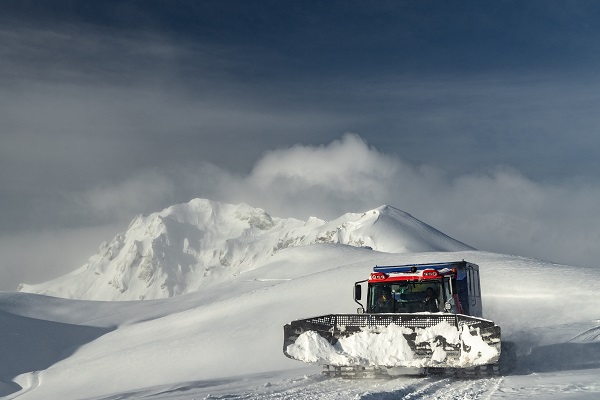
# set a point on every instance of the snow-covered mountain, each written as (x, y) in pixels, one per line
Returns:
(189, 246)
(225, 341)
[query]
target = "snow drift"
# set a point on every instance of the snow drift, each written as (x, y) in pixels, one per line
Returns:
(228, 337)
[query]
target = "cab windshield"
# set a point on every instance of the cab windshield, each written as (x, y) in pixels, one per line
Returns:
(405, 297)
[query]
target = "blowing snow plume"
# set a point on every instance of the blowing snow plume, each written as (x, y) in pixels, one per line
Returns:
(494, 209)
(187, 246)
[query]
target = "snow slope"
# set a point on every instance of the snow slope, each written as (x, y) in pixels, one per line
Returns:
(226, 340)
(190, 246)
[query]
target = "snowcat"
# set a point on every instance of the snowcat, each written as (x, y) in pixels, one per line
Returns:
(419, 318)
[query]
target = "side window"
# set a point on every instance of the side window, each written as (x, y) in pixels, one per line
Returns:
(473, 277)
(374, 292)
(447, 289)
(471, 281)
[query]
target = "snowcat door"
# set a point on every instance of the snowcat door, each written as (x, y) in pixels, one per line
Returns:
(449, 301)
(474, 292)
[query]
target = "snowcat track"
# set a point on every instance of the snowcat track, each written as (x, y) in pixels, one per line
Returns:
(361, 372)
(335, 326)
(505, 365)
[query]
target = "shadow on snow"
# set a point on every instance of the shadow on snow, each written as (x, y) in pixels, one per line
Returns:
(28, 344)
(561, 357)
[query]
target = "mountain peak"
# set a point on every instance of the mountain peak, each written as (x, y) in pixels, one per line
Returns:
(188, 246)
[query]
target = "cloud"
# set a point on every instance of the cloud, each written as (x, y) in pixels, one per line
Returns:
(145, 191)
(501, 211)
(344, 171)
(34, 257)
(98, 125)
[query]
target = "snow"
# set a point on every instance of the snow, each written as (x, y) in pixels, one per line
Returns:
(189, 246)
(387, 347)
(224, 339)
(369, 347)
(480, 352)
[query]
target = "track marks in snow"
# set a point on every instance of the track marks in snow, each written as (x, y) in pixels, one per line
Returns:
(440, 389)
(308, 388)
(422, 388)
(549, 391)
(404, 388)
(591, 335)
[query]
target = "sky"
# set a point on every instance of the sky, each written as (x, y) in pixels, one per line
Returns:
(476, 117)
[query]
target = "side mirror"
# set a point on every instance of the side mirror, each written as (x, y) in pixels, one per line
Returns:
(357, 292)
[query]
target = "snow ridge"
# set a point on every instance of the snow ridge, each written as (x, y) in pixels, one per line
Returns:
(188, 246)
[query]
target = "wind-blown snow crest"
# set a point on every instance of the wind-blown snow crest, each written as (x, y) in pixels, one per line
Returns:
(188, 246)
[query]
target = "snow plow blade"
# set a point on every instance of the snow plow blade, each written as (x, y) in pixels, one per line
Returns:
(415, 340)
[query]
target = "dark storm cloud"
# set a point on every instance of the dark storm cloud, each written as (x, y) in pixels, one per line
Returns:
(356, 37)
(114, 108)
